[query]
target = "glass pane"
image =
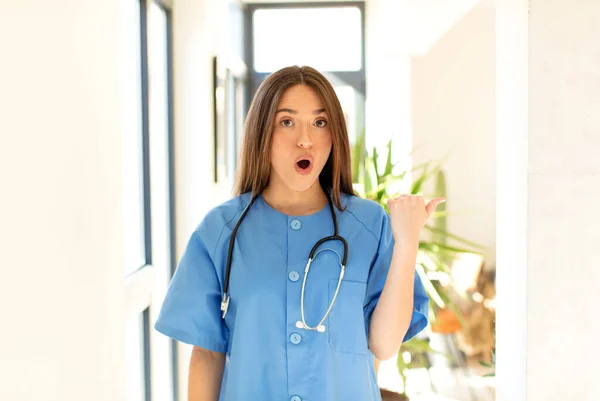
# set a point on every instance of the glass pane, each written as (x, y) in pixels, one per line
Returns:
(353, 106)
(134, 353)
(159, 139)
(328, 39)
(348, 100)
(133, 205)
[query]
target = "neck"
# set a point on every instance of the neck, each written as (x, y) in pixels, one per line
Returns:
(293, 202)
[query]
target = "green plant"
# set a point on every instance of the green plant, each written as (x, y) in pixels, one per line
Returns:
(377, 178)
(412, 355)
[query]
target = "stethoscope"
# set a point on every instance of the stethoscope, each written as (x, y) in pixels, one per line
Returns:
(313, 253)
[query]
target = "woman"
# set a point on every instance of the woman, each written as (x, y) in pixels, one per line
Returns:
(271, 329)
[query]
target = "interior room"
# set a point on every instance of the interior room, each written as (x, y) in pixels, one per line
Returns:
(122, 123)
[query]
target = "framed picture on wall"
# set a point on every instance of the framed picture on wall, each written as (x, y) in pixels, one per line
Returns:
(229, 81)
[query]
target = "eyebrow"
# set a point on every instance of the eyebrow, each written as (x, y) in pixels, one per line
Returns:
(319, 111)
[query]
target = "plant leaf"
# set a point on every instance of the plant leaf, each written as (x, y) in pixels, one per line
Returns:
(432, 259)
(375, 163)
(388, 163)
(370, 178)
(453, 248)
(454, 236)
(416, 345)
(434, 296)
(358, 156)
(418, 183)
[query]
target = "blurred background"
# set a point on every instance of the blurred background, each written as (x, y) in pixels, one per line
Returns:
(121, 123)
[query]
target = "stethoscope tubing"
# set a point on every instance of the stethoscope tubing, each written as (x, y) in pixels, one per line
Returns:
(300, 324)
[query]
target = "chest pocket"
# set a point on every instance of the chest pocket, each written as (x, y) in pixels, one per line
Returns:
(346, 328)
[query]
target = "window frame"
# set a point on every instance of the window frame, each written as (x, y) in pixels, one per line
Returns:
(140, 284)
(355, 79)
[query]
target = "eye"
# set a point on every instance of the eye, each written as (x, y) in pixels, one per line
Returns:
(321, 123)
(286, 123)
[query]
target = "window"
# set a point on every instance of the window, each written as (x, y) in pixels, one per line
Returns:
(333, 42)
(148, 197)
(334, 45)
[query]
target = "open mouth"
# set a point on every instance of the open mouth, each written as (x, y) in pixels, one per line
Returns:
(303, 164)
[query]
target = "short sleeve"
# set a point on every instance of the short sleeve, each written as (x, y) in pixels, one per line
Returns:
(376, 281)
(191, 310)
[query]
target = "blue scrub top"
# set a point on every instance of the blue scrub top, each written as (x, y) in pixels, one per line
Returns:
(268, 358)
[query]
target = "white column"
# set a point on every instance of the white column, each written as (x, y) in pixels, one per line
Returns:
(196, 24)
(511, 199)
(548, 102)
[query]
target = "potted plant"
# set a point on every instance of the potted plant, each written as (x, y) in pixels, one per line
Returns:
(435, 255)
(375, 178)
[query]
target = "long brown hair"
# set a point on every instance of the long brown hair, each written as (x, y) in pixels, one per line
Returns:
(255, 159)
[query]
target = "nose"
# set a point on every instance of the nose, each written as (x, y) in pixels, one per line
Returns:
(304, 140)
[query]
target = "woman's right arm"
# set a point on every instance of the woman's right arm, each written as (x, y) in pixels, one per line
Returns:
(205, 375)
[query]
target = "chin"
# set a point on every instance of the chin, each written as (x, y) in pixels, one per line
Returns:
(301, 184)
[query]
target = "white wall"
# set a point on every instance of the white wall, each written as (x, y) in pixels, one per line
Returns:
(453, 115)
(192, 21)
(61, 334)
(548, 173)
(563, 220)
(61, 210)
(200, 31)
(429, 20)
(430, 74)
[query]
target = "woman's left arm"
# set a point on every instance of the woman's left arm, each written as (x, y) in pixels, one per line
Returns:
(392, 315)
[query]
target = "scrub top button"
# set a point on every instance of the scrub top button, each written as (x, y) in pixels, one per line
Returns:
(295, 398)
(296, 224)
(295, 338)
(294, 276)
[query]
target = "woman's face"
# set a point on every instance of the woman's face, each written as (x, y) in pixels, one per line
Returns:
(301, 139)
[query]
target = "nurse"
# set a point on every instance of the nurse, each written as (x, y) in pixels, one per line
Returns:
(275, 329)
